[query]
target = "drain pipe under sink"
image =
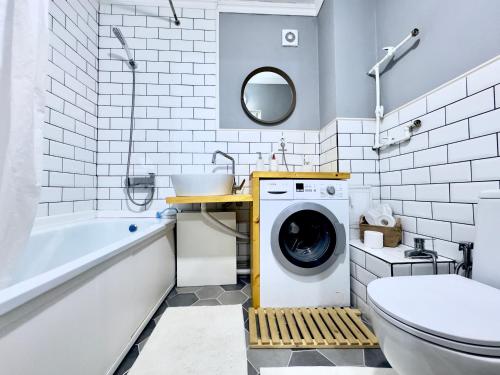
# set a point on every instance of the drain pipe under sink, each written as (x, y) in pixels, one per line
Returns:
(223, 227)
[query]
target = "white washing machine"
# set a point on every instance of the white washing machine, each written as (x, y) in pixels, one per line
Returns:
(304, 251)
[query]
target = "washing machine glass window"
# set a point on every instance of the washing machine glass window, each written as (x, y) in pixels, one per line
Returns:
(307, 238)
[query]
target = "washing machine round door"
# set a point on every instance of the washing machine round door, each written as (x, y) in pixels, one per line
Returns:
(307, 238)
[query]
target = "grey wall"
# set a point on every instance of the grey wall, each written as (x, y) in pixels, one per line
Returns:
(347, 49)
(354, 54)
(250, 41)
(456, 35)
(326, 53)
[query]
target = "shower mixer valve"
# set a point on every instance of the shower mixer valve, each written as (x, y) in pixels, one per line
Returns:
(141, 181)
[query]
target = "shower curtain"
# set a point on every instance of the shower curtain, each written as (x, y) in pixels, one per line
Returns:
(23, 62)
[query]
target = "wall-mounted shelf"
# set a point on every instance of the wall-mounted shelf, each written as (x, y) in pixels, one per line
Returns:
(210, 199)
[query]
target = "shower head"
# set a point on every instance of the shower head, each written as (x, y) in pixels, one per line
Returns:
(123, 42)
(119, 35)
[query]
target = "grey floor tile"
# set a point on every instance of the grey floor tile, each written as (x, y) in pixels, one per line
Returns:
(344, 357)
(375, 358)
(244, 279)
(157, 319)
(187, 289)
(206, 302)
(212, 291)
(128, 361)
(268, 357)
(172, 293)
(247, 304)
(251, 370)
(141, 345)
(309, 358)
(247, 290)
(238, 286)
(182, 300)
(257, 358)
(232, 298)
(161, 309)
(147, 331)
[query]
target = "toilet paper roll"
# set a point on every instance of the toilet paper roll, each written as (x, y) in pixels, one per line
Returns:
(371, 216)
(385, 221)
(375, 240)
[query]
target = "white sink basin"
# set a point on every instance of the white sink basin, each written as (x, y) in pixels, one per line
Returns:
(202, 184)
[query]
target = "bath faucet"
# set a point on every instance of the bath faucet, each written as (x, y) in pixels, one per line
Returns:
(421, 253)
(233, 169)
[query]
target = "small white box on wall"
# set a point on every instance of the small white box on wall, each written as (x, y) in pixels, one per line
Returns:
(289, 38)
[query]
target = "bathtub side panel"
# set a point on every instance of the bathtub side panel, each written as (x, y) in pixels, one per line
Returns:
(88, 328)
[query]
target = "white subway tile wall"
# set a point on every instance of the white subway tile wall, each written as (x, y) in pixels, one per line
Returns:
(366, 268)
(346, 145)
(176, 105)
(432, 181)
(70, 128)
(453, 156)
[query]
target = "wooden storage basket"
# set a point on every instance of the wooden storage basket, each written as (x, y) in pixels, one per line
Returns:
(393, 236)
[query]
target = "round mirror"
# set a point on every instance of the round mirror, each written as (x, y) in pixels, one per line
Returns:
(268, 96)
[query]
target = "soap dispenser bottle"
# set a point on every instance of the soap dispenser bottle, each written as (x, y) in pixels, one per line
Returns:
(259, 164)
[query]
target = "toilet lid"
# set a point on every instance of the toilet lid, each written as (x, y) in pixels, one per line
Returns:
(447, 306)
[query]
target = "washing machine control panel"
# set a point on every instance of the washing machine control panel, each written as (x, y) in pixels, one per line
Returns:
(320, 189)
(303, 189)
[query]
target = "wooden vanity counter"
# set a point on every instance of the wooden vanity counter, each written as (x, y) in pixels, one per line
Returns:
(211, 199)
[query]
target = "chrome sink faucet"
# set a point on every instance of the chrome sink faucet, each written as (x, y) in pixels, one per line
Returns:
(233, 169)
(421, 253)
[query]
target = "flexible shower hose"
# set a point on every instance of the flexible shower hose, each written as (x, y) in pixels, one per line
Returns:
(130, 143)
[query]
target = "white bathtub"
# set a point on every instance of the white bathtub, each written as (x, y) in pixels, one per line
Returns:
(81, 293)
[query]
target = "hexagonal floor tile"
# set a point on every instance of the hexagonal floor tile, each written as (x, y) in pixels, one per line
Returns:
(172, 293)
(232, 298)
(247, 290)
(259, 358)
(244, 279)
(247, 304)
(128, 361)
(238, 286)
(147, 331)
(344, 357)
(375, 358)
(187, 289)
(251, 370)
(206, 302)
(186, 299)
(309, 358)
(206, 292)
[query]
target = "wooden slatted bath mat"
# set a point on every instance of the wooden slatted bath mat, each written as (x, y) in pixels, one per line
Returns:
(331, 327)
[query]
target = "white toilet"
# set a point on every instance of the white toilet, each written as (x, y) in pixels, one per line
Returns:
(445, 324)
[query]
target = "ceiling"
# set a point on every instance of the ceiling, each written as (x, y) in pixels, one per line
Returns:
(285, 7)
(288, 1)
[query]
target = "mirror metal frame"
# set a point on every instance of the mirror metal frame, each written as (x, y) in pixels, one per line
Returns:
(289, 81)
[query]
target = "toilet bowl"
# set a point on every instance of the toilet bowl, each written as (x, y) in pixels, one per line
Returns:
(437, 325)
(445, 324)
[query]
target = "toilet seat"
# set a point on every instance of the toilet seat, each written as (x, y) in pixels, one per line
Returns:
(448, 310)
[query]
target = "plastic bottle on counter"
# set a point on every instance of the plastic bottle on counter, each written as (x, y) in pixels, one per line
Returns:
(273, 163)
(259, 164)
